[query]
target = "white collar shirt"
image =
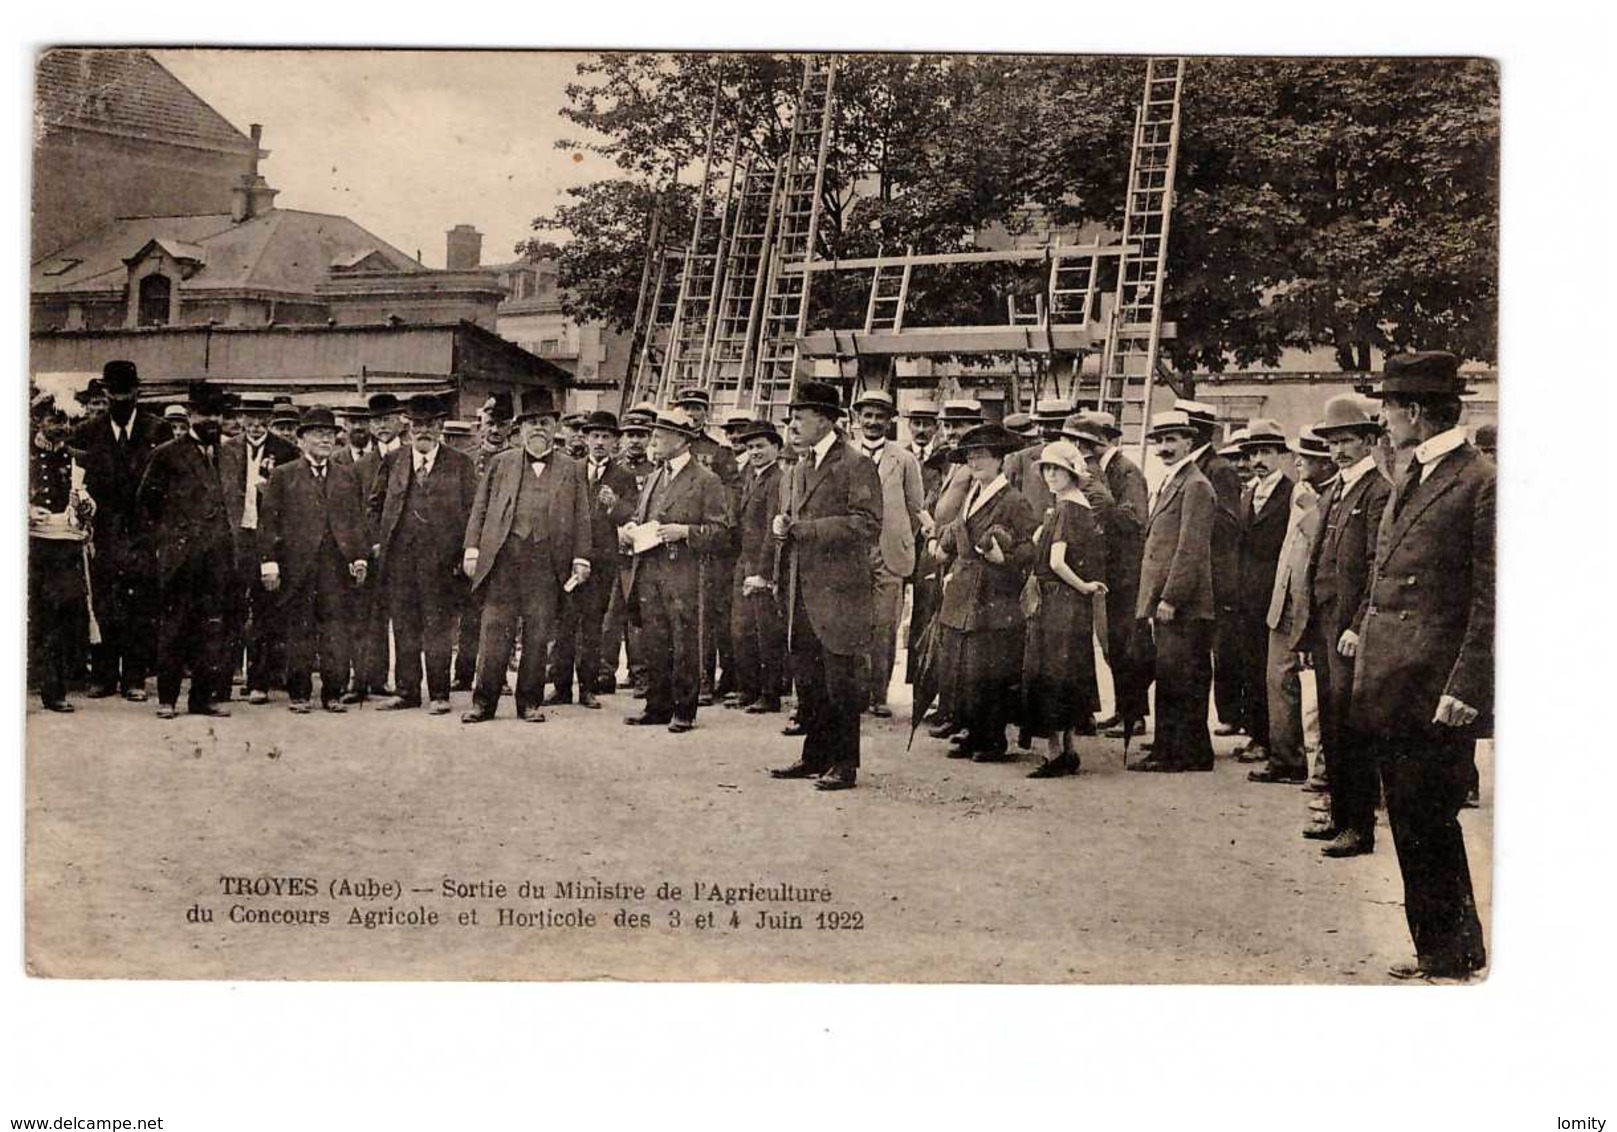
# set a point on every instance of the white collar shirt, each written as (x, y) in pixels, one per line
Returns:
(821, 447)
(677, 464)
(1437, 447)
(424, 460)
(980, 495)
(1352, 475)
(1264, 488)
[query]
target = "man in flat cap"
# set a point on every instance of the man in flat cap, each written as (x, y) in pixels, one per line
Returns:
(115, 448)
(621, 636)
(829, 523)
(314, 551)
(181, 498)
(1176, 607)
(418, 509)
(1423, 685)
(892, 562)
(1340, 563)
(526, 542)
(686, 506)
(612, 491)
(246, 463)
(714, 453)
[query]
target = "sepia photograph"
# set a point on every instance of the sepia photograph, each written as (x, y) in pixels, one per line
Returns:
(774, 555)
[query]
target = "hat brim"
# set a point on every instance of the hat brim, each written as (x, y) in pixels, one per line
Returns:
(1189, 430)
(1042, 464)
(1359, 426)
(958, 455)
(1255, 443)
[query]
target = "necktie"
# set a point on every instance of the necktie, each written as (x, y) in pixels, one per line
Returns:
(1407, 486)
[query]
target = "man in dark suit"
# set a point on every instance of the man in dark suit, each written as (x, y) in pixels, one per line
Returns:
(829, 522)
(714, 453)
(115, 447)
(1226, 482)
(245, 465)
(418, 509)
(1340, 561)
(613, 494)
(389, 431)
(1021, 467)
(759, 629)
(527, 538)
(1176, 608)
(313, 551)
(1264, 520)
(691, 514)
(1423, 687)
(620, 635)
(181, 500)
(1122, 526)
(494, 431)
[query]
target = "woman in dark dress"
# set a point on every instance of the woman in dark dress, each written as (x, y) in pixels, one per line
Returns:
(980, 644)
(1059, 692)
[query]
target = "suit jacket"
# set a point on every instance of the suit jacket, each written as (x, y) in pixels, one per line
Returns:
(760, 501)
(605, 521)
(1177, 563)
(694, 497)
(836, 512)
(112, 473)
(1021, 469)
(1226, 552)
(1289, 606)
(1344, 552)
(980, 594)
(567, 504)
(233, 470)
(454, 486)
(1428, 631)
(901, 497)
(296, 516)
(1263, 533)
(181, 503)
(1123, 526)
(344, 454)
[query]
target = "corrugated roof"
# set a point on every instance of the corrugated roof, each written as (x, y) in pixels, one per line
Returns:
(127, 91)
(282, 250)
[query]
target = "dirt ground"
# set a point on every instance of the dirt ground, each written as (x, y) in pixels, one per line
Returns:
(957, 872)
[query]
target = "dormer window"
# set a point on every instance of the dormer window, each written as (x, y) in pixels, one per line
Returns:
(155, 291)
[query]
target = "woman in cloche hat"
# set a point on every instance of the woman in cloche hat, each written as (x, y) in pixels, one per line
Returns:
(1059, 692)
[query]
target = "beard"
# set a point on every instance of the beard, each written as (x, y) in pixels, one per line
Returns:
(207, 431)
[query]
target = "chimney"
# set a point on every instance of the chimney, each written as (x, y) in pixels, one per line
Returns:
(465, 248)
(252, 195)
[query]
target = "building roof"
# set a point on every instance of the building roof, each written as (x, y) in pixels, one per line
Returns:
(127, 92)
(281, 250)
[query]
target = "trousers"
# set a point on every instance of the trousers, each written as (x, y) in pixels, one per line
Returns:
(829, 698)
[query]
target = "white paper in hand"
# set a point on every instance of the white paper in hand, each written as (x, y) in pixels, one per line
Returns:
(643, 537)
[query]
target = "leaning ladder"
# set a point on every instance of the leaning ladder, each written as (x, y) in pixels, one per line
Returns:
(1129, 361)
(797, 219)
(726, 362)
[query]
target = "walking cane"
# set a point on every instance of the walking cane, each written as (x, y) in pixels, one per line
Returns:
(89, 595)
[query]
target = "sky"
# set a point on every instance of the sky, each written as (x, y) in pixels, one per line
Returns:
(407, 144)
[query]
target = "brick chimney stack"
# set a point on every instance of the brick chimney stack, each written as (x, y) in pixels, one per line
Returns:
(465, 248)
(252, 195)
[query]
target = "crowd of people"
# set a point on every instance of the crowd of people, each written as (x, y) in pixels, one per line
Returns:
(394, 555)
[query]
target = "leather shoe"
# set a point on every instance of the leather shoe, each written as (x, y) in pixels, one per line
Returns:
(353, 697)
(763, 705)
(588, 700)
(136, 695)
(793, 729)
(335, 707)
(680, 726)
(943, 729)
(558, 698)
(837, 780)
(1056, 767)
(1270, 774)
(704, 699)
(1154, 766)
(645, 720)
(881, 711)
(1225, 730)
(1428, 969)
(258, 696)
(296, 707)
(1326, 832)
(995, 755)
(438, 707)
(476, 715)
(1317, 785)
(1349, 844)
(101, 692)
(1113, 720)
(963, 751)
(1407, 970)
(398, 703)
(1253, 753)
(214, 710)
(532, 715)
(796, 770)
(59, 705)
(165, 711)
(1117, 731)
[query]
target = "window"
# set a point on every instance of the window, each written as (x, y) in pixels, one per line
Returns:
(548, 346)
(154, 296)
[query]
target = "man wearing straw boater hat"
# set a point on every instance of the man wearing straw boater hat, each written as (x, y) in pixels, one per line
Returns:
(1423, 685)
(1265, 518)
(314, 549)
(1226, 482)
(418, 507)
(1341, 559)
(115, 448)
(182, 512)
(828, 526)
(527, 542)
(681, 516)
(1175, 610)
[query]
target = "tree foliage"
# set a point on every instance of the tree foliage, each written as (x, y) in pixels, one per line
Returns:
(1345, 204)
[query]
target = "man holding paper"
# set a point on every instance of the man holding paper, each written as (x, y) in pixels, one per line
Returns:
(528, 537)
(682, 515)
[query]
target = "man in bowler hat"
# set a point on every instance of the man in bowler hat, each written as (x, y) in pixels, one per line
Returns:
(1423, 683)
(418, 509)
(182, 511)
(313, 550)
(828, 524)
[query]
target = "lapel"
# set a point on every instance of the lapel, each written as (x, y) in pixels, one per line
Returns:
(815, 477)
(1279, 501)
(1342, 507)
(1442, 478)
(1170, 491)
(678, 484)
(398, 478)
